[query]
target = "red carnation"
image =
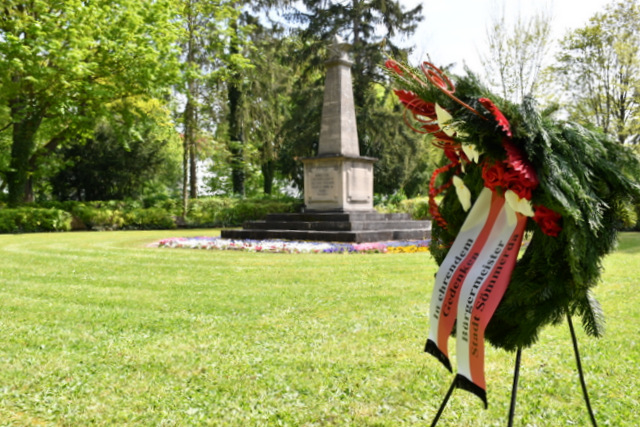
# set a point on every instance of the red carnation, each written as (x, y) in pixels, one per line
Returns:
(517, 161)
(502, 121)
(493, 175)
(548, 220)
(516, 183)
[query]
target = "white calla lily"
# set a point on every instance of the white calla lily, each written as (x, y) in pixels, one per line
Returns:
(463, 193)
(444, 121)
(519, 205)
(471, 152)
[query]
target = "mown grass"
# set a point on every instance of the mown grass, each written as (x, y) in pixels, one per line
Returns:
(98, 329)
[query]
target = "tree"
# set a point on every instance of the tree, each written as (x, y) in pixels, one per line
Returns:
(214, 45)
(126, 157)
(270, 83)
(599, 69)
(207, 33)
(5, 147)
(406, 163)
(235, 125)
(516, 55)
(63, 63)
(301, 129)
(256, 94)
(370, 26)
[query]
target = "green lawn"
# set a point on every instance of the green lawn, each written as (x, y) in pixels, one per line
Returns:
(98, 329)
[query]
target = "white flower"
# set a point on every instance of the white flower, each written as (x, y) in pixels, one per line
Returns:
(463, 193)
(444, 120)
(519, 205)
(471, 152)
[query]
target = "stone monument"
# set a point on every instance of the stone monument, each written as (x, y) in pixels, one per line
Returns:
(338, 182)
(338, 179)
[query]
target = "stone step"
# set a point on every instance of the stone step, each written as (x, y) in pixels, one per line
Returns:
(338, 216)
(337, 225)
(328, 236)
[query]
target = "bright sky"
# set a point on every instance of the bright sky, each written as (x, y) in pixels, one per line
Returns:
(455, 31)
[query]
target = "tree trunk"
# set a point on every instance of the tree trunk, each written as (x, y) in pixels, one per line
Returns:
(268, 170)
(189, 122)
(193, 149)
(236, 139)
(186, 151)
(22, 147)
(193, 171)
(185, 177)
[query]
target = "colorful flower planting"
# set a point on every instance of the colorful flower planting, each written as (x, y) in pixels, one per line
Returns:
(289, 246)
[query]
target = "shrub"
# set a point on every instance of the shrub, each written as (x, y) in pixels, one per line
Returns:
(157, 213)
(24, 220)
(149, 219)
(163, 202)
(247, 210)
(98, 218)
(209, 212)
(418, 208)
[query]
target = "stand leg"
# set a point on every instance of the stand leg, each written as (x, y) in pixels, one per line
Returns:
(444, 403)
(580, 374)
(514, 388)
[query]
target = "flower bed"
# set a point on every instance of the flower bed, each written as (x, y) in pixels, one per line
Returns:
(289, 246)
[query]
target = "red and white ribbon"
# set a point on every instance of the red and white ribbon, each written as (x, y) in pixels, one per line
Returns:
(470, 284)
(480, 295)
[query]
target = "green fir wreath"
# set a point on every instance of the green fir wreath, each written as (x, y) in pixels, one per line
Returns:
(577, 184)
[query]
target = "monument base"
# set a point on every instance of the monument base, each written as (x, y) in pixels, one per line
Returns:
(352, 227)
(338, 183)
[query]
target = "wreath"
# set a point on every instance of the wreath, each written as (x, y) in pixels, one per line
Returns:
(576, 185)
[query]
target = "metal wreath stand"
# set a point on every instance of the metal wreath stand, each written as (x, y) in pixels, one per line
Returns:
(516, 376)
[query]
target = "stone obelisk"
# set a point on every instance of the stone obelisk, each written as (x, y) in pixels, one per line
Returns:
(338, 179)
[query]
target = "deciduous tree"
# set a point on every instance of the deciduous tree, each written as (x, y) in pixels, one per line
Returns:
(62, 63)
(515, 55)
(599, 68)
(207, 60)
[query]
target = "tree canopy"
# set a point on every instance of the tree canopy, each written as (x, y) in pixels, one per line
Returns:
(239, 84)
(122, 159)
(64, 63)
(516, 54)
(599, 67)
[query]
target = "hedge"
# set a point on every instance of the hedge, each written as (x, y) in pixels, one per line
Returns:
(165, 213)
(139, 215)
(418, 208)
(29, 220)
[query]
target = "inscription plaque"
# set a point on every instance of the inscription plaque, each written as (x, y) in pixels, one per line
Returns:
(324, 186)
(360, 184)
